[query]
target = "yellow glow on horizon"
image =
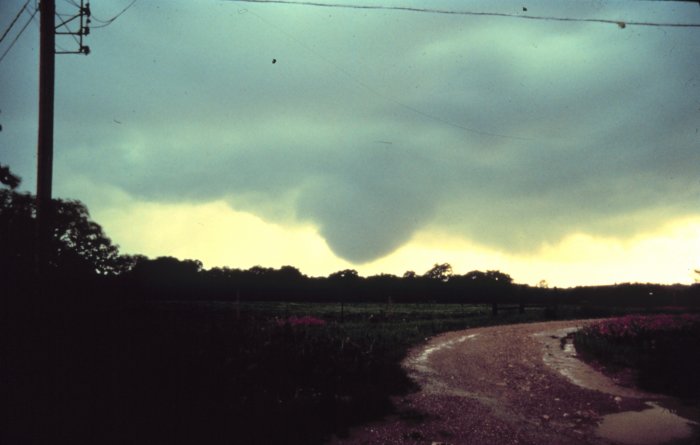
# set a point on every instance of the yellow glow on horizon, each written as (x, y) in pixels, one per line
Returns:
(220, 236)
(667, 255)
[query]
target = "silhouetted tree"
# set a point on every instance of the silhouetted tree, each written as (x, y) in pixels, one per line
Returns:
(498, 277)
(344, 284)
(260, 271)
(166, 269)
(8, 178)
(382, 287)
(78, 246)
(347, 274)
(289, 273)
(167, 277)
(269, 283)
(478, 286)
(440, 272)
(491, 277)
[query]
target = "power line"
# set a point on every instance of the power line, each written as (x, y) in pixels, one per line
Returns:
(18, 34)
(620, 23)
(83, 28)
(13, 21)
(386, 97)
(108, 22)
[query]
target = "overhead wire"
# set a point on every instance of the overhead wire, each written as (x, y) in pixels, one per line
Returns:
(386, 97)
(4, 34)
(105, 23)
(620, 23)
(2, 57)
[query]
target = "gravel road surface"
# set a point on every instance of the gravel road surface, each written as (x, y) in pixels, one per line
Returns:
(497, 385)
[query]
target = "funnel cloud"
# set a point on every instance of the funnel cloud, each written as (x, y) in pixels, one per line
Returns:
(376, 126)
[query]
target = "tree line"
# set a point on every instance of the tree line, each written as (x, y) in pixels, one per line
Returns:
(84, 263)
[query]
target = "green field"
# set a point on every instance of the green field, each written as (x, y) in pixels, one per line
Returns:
(248, 364)
(221, 372)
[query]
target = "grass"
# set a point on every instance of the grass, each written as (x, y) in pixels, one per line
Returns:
(220, 372)
(249, 366)
(349, 312)
(662, 349)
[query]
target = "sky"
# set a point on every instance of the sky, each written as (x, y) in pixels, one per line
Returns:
(245, 134)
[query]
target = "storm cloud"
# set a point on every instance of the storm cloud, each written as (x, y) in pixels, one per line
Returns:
(373, 126)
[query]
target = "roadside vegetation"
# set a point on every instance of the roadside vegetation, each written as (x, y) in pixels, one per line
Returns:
(662, 350)
(190, 372)
(220, 372)
(108, 348)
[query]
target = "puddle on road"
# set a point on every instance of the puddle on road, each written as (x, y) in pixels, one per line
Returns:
(653, 426)
(566, 362)
(421, 362)
(667, 421)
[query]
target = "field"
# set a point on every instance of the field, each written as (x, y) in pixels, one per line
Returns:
(221, 372)
(216, 372)
(309, 369)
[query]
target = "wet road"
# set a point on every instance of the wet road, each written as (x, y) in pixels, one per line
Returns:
(508, 385)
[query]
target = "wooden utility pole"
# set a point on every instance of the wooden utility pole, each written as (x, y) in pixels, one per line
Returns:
(44, 177)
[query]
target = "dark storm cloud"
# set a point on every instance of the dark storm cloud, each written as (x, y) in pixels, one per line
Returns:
(375, 126)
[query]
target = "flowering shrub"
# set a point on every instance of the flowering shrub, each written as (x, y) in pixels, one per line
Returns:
(629, 328)
(664, 349)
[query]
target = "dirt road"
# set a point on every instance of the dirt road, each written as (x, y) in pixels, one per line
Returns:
(497, 385)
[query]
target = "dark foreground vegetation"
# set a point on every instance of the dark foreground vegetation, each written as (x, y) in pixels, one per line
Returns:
(173, 372)
(200, 372)
(663, 350)
(100, 347)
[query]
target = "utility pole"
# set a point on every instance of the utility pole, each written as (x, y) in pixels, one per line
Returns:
(50, 329)
(47, 70)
